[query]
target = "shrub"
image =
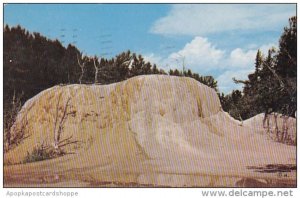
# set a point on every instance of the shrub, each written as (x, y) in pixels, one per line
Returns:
(41, 152)
(10, 113)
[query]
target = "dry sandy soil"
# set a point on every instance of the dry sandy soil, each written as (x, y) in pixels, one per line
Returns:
(147, 131)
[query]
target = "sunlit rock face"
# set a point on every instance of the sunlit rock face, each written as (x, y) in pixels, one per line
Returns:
(154, 129)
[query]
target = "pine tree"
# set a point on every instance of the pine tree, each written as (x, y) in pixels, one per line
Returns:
(286, 68)
(258, 61)
(287, 57)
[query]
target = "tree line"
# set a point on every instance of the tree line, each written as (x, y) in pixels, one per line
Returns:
(33, 62)
(272, 87)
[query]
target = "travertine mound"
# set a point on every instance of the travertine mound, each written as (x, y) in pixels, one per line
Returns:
(155, 129)
(267, 125)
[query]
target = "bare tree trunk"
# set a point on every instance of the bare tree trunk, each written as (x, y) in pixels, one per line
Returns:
(55, 123)
(96, 70)
(82, 69)
(80, 78)
(62, 121)
(58, 132)
(268, 124)
(276, 124)
(267, 119)
(241, 120)
(285, 127)
(96, 76)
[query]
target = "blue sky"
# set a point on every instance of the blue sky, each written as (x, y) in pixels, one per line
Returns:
(213, 39)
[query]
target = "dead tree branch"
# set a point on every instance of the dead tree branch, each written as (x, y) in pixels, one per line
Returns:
(276, 76)
(55, 121)
(97, 67)
(62, 121)
(236, 81)
(82, 69)
(58, 132)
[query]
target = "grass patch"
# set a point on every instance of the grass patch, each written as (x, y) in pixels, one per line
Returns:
(41, 152)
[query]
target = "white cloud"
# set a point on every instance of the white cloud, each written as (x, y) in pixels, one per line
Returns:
(203, 57)
(198, 54)
(203, 19)
(240, 64)
(240, 58)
